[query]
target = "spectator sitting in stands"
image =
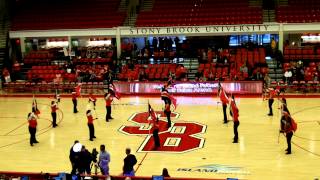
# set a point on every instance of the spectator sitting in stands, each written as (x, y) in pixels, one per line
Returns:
(210, 76)
(181, 72)
(6, 75)
(199, 75)
(287, 76)
(142, 75)
(57, 79)
(315, 77)
(93, 76)
(244, 68)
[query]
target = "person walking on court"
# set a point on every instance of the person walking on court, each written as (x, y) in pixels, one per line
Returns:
(90, 125)
(108, 98)
(235, 115)
(129, 161)
(32, 120)
(224, 101)
(54, 108)
(104, 160)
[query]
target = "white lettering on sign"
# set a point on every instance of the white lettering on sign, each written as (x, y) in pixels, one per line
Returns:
(201, 29)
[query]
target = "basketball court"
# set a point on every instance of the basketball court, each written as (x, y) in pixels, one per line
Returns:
(197, 145)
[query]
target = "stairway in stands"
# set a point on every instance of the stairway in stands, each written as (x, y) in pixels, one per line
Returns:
(282, 2)
(275, 73)
(269, 15)
(147, 5)
(4, 29)
(255, 3)
(192, 64)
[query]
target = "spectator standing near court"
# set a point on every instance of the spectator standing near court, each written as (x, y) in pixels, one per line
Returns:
(104, 160)
(129, 161)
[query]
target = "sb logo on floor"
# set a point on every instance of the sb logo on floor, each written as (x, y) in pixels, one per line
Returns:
(181, 137)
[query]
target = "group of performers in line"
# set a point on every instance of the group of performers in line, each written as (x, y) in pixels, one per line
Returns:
(287, 123)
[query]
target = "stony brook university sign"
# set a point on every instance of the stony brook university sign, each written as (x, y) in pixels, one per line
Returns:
(193, 30)
(181, 137)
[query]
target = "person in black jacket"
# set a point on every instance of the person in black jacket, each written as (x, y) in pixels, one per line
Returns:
(85, 161)
(74, 159)
(129, 162)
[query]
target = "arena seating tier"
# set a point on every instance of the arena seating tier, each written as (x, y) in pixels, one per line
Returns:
(297, 11)
(81, 14)
(205, 12)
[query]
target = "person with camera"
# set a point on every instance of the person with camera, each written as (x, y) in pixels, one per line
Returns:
(104, 160)
(94, 155)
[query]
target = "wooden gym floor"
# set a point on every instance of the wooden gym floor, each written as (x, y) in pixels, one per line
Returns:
(258, 155)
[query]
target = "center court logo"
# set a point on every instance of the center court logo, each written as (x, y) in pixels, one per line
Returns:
(217, 169)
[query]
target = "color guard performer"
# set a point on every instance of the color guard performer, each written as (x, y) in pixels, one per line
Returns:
(75, 102)
(35, 107)
(167, 99)
(32, 120)
(93, 100)
(235, 115)
(224, 101)
(155, 127)
(90, 125)
(54, 108)
(271, 93)
(108, 98)
(288, 126)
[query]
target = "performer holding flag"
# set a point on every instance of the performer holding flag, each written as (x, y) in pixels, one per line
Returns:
(235, 115)
(224, 101)
(54, 107)
(90, 125)
(108, 98)
(75, 95)
(32, 120)
(168, 99)
(35, 109)
(288, 126)
(93, 99)
(155, 127)
(271, 93)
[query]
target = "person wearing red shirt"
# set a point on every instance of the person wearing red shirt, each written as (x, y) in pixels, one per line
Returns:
(54, 108)
(271, 94)
(287, 128)
(108, 98)
(32, 120)
(93, 99)
(235, 115)
(90, 125)
(155, 127)
(165, 96)
(75, 102)
(224, 100)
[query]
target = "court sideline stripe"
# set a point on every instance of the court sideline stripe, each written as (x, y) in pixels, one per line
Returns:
(15, 128)
(17, 142)
(144, 157)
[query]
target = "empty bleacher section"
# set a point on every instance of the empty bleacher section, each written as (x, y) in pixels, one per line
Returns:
(72, 14)
(298, 11)
(205, 12)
